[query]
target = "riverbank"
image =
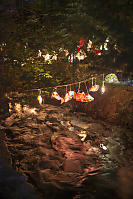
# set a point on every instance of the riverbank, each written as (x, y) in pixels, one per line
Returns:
(63, 153)
(61, 149)
(114, 106)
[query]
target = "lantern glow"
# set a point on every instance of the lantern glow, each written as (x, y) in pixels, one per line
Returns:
(103, 86)
(103, 89)
(39, 98)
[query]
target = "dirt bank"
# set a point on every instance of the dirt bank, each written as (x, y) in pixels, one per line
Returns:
(115, 105)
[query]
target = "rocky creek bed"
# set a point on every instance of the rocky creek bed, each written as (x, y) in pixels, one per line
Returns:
(59, 153)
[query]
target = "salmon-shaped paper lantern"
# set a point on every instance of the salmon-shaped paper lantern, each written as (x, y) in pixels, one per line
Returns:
(56, 95)
(94, 88)
(82, 97)
(68, 96)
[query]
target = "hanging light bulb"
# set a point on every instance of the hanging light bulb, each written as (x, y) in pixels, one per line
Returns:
(103, 86)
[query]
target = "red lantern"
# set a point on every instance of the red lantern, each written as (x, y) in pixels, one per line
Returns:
(81, 45)
(97, 51)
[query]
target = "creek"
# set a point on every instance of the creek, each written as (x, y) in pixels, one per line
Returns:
(67, 154)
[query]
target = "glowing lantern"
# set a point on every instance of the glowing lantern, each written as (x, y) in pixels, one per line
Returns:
(89, 45)
(101, 47)
(39, 53)
(39, 98)
(107, 39)
(111, 78)
(105, 46)
(103, 87)
(71, 58)
(97, 51)
(81, 55)
(95, 87)
(68, 96)
(56, 95)
(81, 45)
(82, 97)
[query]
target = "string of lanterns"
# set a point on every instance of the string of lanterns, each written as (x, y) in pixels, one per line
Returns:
(78, 96)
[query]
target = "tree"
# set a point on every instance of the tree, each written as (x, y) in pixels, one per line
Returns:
(32, 25)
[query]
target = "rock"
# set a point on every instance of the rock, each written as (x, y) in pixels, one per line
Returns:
(4, 106)
(80, 124)
(41, 116)
(10, 120)
(72, 165)
(13, 185)
(4, 153)
(125, 180)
